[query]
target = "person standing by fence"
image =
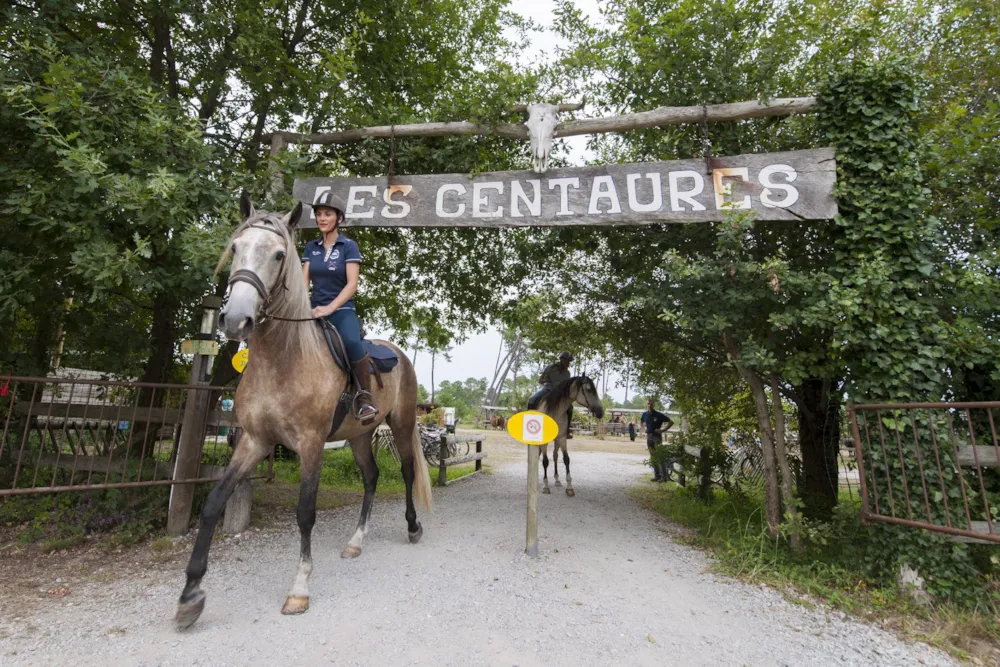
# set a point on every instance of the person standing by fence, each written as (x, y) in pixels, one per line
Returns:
(656, 424)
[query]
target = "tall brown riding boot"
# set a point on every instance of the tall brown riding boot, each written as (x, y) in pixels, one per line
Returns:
(364, 403)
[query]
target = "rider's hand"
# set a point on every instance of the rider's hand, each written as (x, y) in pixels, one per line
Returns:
(320, 311)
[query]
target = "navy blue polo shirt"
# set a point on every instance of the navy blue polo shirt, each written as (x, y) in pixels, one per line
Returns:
(328, 269)
(654, 420)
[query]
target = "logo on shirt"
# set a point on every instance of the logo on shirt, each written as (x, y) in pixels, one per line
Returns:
(332, 254)
(315, 253)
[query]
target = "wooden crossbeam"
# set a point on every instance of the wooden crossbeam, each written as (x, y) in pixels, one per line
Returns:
(659, 117)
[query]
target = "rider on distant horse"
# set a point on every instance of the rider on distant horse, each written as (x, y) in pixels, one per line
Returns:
(333, 263)
(550, 377)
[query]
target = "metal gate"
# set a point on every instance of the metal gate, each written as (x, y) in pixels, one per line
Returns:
(80, 435)
(930, 465)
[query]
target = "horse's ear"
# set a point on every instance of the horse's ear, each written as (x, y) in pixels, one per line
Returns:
(292, 219)
(246, 205)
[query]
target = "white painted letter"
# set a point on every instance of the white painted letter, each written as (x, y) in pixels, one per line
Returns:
(564, 184)
(633, 201)
(478, 200)
(603, 187)
(319, 190)
(404, 206)
(723, 190)
(686, 195)
(439, 205)
(517, 193)
(791, 194)
(354, 201)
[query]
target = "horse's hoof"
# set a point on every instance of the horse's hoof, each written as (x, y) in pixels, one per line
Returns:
(188, 612)
(557, 483)
(545, 489)
(295, 604)
(351, 551)
(570, 492)
(415, 536)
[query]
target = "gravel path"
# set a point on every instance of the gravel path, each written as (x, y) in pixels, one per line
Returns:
(610, 587)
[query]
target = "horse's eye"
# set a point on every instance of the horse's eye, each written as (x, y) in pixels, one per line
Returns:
(280, 255)
(233, 248)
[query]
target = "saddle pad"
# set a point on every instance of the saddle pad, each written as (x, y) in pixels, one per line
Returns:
(383, 357)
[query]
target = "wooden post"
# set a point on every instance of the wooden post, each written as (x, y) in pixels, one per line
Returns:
(192, 437)
(531, 537)
(479, 450)
(237, 517)
(442, 456)
(704, 476)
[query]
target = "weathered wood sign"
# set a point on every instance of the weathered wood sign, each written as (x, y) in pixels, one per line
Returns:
(796, 185)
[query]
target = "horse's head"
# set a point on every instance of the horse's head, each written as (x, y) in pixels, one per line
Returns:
(260, 250)
(587, 396)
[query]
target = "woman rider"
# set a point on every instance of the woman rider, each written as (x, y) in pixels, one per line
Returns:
(332, 262)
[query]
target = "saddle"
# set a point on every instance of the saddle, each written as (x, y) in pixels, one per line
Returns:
(381, 360)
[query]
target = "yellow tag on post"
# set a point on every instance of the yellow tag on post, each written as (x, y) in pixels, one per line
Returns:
(240, 359)
(532, 427)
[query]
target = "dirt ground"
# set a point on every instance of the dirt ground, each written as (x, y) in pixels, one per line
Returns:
(609, 587)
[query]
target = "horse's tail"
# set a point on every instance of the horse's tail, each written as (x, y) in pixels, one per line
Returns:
(422, 481)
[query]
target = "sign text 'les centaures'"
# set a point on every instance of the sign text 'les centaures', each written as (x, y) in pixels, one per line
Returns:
(796, 185)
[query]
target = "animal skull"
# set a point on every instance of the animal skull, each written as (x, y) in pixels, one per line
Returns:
(542, 121)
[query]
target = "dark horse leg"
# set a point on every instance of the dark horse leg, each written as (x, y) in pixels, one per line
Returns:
(310, 463)
(569, 480)
(192, 602)
(365, 458)
(545, 468)
(555, 463)
(402, 433)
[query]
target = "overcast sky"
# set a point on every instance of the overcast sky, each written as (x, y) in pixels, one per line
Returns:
(476, 357)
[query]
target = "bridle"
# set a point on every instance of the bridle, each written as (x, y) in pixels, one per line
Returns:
(252, 279)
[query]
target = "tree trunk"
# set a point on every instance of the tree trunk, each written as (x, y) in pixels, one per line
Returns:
(787, 494)
(772, 499)
(819, 439)
(433, 355)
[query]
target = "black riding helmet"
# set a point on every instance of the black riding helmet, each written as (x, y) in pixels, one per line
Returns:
(329, 200)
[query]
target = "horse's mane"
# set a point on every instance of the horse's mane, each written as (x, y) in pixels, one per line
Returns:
(291, 302)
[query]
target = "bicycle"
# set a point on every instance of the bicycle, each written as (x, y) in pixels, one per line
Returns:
(430, 443)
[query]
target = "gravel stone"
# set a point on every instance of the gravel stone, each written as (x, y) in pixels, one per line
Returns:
(608, 581)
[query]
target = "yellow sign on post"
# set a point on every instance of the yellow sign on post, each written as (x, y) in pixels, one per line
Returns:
(240, 359)
(532, 427)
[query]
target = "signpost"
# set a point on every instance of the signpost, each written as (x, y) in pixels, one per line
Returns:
(535, 429)
(795, 185)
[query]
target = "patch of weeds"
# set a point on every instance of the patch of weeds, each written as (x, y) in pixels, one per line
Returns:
(161, 544)
(56, 543)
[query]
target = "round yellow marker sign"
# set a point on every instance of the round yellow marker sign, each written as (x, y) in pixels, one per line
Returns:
(532, 427)
(240, 359)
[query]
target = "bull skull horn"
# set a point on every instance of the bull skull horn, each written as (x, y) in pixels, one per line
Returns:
(542, 122)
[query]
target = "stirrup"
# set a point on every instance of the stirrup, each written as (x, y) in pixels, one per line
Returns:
(368, 411)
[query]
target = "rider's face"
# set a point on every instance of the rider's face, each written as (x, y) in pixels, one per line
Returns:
(326, 219)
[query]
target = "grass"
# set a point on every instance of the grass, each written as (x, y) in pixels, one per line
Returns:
(830, 568)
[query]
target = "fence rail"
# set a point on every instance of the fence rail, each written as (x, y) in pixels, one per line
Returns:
(931, 466)
(84, 435)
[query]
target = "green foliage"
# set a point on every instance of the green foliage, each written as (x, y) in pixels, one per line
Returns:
(124, 516)
(340, 472)
(465, 397)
